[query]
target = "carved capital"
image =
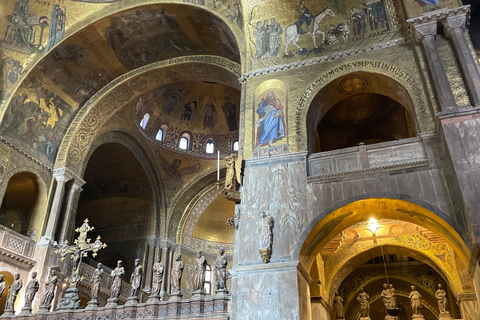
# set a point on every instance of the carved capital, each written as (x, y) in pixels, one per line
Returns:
(455, 22)
(64, 174)
(425, 29)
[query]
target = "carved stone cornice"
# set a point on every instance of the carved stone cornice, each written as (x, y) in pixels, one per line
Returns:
(439, 15)
(27, 155)
(327, 58)
(456, 16)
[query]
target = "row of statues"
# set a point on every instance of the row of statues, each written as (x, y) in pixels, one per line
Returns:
(158, 269)
(390, 302)
(30, 292)
(117, 274)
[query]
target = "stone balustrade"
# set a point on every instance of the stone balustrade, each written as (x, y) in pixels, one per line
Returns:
(386, 156)
(210, 307)
(16, 246)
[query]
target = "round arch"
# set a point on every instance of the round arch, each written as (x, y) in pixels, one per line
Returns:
(150, 169)
(343, 269)
(39, 207)
(402, 207)
(110, 10)
(388, 79)
(108, 100)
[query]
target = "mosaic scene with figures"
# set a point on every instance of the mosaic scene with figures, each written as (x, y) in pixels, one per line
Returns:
(239, 159)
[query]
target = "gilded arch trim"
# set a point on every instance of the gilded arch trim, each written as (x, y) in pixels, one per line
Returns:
(84, 128)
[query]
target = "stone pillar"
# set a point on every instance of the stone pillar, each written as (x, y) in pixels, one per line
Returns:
(454, 26)
(61, 175)
(320, 308)
(149, 261)
(425, 34)
(468, 306)
(170, 263)
(71, 209)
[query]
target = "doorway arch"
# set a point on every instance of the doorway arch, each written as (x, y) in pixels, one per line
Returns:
(402, 228)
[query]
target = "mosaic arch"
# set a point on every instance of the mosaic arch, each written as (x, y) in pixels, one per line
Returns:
(47, 97)
(141, 155)
(125, 90)
(437, 256)
(324, 228)
(382, 78)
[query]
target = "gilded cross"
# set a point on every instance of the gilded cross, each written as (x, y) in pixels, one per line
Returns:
(80, 248)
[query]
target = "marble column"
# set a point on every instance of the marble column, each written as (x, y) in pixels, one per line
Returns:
(170, 263)
(62, 176)
(149, 261)
(425, 34)
(71, 209)
(454, 27)
(469, 308)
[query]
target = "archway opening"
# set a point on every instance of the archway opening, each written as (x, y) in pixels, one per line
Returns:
(118, 200)
(403, 272)
(23, 203)
(348, 248)
(366, 118)
(359, 108)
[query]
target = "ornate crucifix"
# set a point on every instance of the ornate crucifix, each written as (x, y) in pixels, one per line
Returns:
(79, 249)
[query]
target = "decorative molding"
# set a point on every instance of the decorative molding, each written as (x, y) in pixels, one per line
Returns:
(327, 58)
(442, 15)
(27, 155)
(400, 166)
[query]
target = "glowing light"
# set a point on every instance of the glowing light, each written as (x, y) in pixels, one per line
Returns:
(373, 225)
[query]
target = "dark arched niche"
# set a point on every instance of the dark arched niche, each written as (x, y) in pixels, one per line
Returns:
(118, 200)
(20, 210)
(360, 107)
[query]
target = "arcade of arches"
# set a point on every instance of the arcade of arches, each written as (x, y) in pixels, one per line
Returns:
(354, 126)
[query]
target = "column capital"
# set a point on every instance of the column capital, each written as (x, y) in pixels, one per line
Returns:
(424, 30)
(166, 243)
(64, 174)
(451, 23)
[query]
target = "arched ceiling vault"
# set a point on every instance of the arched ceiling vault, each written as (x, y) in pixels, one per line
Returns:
(126, 90)
(109, 46)
(378, 208)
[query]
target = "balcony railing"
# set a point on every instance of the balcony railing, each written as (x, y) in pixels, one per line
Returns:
(17, 246)
(392, 155)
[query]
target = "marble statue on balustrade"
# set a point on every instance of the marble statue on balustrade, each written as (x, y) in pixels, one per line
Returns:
(230, 176)
(416, 303)
(135, 282)
(338, 306)
(136, 279)
(388, 297)
(362, 299)
(176, 277)
(96, 279)
(49, 294)
(2, 285)
(13, 291)
(157, 277)
(200, 268)
(221, 271)
(441, 296)
(265, 234)
(30, 292)
(117, 275)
